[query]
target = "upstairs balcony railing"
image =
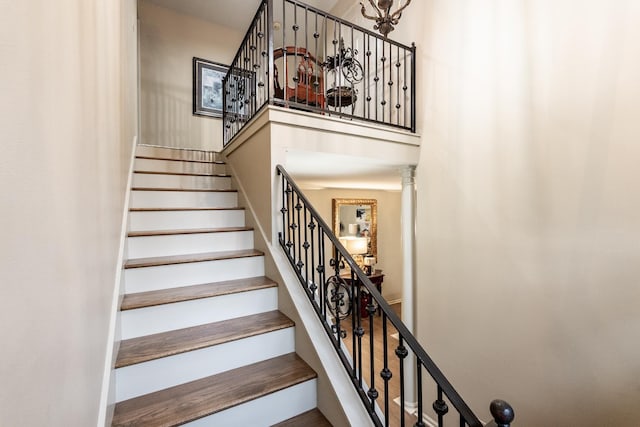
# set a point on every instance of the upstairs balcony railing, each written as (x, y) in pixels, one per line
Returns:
(297, 56)
(346, 304)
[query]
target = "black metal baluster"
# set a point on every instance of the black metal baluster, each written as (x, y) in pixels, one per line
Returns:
(367, 73)
(413, 87)
(404, 88)
(353, 84)
(312, 227)
(290, 221)
(321, 274)
(420, 422)
(299, 241)
(307, 63)
(398, 105)
(390, 83)
(372, 393)
(376, 79)
(441, 407)
(316, 82)
(283, 210)
(402, 353)
(385, 374)
(306, 246)
(383, 103)
(295, 29)
(360, 330)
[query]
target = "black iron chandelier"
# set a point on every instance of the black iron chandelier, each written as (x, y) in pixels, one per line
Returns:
(385, 21)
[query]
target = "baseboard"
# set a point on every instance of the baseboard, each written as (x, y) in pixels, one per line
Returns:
(412, 409)
(107, 395)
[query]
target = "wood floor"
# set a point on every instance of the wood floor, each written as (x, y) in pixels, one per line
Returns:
(393, 389)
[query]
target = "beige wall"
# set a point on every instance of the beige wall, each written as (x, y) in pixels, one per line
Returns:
(389, 251)
(528, 208)
(68, 124)
(168, 43)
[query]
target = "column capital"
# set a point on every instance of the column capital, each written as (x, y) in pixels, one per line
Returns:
(408, 175)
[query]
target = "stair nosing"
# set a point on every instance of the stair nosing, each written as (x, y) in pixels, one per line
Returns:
(176, 232)
(190, 258)
(203, 397)
(183, 340)
(195, 190)
(181, 209)
(209, 175)
(194, 292)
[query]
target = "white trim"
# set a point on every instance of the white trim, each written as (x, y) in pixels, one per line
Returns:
(107, 395)
(411, 408)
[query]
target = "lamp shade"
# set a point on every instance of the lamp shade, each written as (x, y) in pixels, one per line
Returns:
(355, 245)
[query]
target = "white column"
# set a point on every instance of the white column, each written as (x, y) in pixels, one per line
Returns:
(407, 227)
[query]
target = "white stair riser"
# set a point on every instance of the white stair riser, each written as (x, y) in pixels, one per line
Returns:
(174, 220)
(176, 153)
(167, 317)
(194, 273)
(267, 410)
(183, 199)
(147, 377)
(153, 246)
(172, 166)
(146, 180)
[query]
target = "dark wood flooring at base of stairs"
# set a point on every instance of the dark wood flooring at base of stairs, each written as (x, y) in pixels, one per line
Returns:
(313, 418)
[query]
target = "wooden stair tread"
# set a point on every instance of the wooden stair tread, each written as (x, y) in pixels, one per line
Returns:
(216, 175)
(312, 418)
(195, 190)
(239, 208)
(184, 259)
(188, 293)
(156, 346)
(187, 231)
(206, 396)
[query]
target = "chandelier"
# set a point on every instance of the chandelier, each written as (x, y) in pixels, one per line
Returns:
(385, 20)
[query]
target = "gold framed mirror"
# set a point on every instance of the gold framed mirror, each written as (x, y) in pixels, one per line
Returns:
(357, 218)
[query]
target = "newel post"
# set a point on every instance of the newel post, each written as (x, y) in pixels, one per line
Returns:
(502, 413)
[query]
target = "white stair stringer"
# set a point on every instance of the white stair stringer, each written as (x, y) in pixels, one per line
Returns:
(161, 318)
(188, 243)
(147, 377)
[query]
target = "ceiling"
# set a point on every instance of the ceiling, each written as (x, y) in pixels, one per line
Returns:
(313, 170)
(310, 170)
(234, 14)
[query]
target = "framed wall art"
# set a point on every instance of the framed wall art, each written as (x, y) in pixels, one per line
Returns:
(207, 87)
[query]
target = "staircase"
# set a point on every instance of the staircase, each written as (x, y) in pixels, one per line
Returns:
(203, 341)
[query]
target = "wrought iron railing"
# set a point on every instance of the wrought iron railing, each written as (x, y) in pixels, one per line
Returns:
(346, 305)
(297, 56)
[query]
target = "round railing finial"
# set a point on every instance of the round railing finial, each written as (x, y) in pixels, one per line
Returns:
(502, 413)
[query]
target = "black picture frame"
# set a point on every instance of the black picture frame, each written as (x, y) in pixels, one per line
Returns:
(207, 87)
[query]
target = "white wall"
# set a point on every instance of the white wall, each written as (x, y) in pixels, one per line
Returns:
(528, 204)
(67, 121)
(168, 43)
